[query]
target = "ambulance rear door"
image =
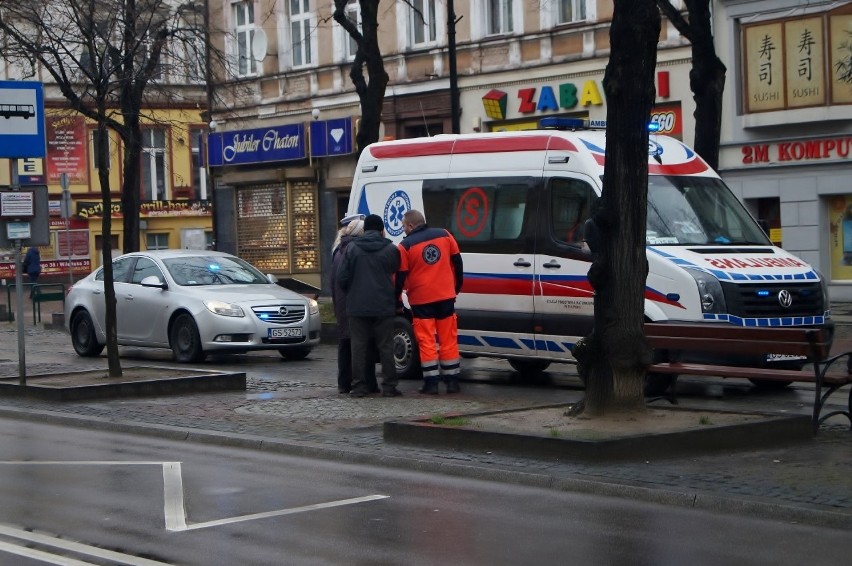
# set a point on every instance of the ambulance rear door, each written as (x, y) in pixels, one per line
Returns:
(491, 220)
(563, 298)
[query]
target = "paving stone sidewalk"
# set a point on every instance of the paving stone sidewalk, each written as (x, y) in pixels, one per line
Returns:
(298, 411)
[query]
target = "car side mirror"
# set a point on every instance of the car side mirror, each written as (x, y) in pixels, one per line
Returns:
(272, 278)
(153, 281)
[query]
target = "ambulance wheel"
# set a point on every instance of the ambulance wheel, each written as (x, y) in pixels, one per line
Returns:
(770, 384)
(405, 354)
(529, 368)
(657, 384)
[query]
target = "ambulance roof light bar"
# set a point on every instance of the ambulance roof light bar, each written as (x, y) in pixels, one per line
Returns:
(555, 123)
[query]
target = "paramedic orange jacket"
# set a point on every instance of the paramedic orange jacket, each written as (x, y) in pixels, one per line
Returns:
(431, 268)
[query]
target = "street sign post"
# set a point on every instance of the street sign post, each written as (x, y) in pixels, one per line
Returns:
(22, 137)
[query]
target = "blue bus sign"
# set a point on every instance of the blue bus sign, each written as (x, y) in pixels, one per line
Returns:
(21, 119)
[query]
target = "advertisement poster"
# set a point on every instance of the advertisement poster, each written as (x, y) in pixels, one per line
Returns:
(66, 149)
(840, 237)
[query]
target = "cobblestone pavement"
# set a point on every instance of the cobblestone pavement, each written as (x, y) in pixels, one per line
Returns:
(295, 407)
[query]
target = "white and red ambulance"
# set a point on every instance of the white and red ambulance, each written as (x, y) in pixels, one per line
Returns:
(517, 202)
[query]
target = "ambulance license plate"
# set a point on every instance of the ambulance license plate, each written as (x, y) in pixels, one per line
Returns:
(783, 358)
(284, 333)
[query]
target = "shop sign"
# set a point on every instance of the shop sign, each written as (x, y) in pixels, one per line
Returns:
(796, 152)
(50, 267)
(148, 208)
(565, 97)
(259, 145)
(66, 149)
(331, 137)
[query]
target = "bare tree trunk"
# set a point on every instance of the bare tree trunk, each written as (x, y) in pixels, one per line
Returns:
(371, 94)
(707, 81)
(102, 148)
(130, 197)
(616, 354)
(707, 76)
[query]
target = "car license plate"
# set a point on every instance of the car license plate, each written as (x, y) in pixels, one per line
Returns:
(783, 358)
(285, 333)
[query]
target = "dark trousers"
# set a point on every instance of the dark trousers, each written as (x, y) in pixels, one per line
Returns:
(362, 331)
(344, 366)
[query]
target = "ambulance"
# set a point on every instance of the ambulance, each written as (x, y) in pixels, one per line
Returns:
(516, 202)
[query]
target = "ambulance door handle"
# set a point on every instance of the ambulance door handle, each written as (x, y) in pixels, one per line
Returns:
(552, 264)
(522, 263)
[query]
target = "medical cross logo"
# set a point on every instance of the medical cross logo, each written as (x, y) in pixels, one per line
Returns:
(395, 207)
(431, 254)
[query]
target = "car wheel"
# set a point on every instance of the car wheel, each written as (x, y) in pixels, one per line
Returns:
(294, 354)
(530, 369)
(406, 357)
(83, 336)
(770, 384)
(186, 343)
(657, 384)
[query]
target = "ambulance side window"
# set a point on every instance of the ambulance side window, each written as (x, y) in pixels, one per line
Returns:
(571, 202)
(485, 215)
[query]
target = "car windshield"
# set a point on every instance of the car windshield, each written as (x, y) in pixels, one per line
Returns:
(213, 270)
(697, 211)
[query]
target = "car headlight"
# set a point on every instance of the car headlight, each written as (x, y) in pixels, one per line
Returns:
(223, 309)
(313, 306)
(709, 292)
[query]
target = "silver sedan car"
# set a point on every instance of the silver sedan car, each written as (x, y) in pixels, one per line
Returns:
(194, 302)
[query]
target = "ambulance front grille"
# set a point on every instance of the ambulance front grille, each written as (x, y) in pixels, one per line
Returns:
(762, 300)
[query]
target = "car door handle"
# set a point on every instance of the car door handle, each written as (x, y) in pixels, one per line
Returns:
(96, 292)
(522, 263)
(552, 264)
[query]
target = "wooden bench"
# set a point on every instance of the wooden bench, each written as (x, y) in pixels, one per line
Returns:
(814, 344)
(44, 293)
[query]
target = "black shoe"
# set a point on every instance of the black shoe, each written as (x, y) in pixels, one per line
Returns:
(357, 393)
(343, 390)
(391, 392)
(453, 386)
(429, 388)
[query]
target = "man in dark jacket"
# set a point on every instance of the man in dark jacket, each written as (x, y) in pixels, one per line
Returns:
(366, 274)
(351, 227)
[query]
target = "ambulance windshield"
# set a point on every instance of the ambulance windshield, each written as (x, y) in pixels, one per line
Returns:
(697, 211)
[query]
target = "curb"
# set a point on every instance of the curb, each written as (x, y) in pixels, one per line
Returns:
(752, 507)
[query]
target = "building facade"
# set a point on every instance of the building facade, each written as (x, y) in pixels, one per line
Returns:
(787, 130)
(288, 80)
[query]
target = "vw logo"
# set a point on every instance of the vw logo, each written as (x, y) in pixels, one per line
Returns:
(785, 299)
(283, 311)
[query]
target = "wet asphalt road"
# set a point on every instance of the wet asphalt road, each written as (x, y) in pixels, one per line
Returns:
(179, 503)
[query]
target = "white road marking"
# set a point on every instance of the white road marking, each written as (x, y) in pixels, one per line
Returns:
(281, 512)
(68, 545)
(174, 509)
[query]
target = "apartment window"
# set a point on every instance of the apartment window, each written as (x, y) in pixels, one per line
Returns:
(244, 34)
(154, 164)
(196, 140)
(353, 14)
(157, 74)
(96, 158)
(423, 24)
(195, 58)
(300, 32)
(571, 11)
(157, 241)
(499, 16)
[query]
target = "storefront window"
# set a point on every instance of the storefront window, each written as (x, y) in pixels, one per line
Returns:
(840, 237)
